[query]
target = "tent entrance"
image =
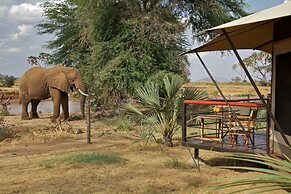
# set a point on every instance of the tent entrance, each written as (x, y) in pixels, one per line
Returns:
(283, 94)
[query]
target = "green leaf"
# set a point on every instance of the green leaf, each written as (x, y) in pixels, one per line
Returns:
(275, 178)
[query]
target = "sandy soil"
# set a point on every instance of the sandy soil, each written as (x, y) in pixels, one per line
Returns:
(24, 156)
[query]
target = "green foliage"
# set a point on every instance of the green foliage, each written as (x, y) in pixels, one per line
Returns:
(62, 21)
(7, 81)
(143, 135)
(158, 80)
(94, 158)
(163, 111)
(276, 174)
(202, 15)
(118, 44)
(84, 158)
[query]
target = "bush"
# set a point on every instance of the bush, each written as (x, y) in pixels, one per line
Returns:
(162, 109)
(4, 133)
(8, 81)
(158, 80)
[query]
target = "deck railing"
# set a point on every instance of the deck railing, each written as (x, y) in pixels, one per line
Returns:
(214, 127)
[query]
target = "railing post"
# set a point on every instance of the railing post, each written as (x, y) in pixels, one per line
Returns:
(184, 139)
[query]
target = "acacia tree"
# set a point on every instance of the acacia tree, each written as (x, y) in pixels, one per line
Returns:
(260, 65)
(118, 44)
(42, 57)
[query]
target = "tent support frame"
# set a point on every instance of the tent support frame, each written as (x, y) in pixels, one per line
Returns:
(271, 115)
(220, 92)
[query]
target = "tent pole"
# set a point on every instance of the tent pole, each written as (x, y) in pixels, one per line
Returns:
(256, 88)
(220, 92)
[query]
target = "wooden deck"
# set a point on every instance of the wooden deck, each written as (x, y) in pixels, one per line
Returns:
(211, 132)
(213, 144)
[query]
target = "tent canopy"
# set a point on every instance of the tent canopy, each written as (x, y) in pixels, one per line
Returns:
(251, 32)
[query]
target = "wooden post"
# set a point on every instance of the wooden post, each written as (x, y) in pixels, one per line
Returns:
(88, 121)
(196, 153)
(196, 156)
(268, 127)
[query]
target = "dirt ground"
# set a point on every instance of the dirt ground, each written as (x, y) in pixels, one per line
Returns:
(24, 162)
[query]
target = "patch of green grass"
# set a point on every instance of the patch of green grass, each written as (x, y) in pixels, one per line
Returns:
(83, 158)
(176, 164)
(94, 158)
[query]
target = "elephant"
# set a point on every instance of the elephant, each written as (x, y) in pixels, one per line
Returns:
(40, 83)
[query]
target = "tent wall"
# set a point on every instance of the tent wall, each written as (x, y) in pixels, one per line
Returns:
(281, 86)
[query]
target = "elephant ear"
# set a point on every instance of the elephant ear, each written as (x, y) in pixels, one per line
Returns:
(57, 79)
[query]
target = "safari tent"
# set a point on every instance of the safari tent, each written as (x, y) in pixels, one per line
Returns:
(269, 31)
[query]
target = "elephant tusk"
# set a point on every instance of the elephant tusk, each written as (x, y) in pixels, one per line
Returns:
(84, 94)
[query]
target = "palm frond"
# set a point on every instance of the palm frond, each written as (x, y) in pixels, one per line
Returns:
(133, 109)
(172, 86)
(151, 119)
(194, 94)
(276, 174)
(149, 95)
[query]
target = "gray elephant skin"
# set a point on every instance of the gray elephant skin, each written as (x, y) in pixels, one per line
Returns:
(40, 83)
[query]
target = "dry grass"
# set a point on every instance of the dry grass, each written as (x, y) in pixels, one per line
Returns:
(34, 160)
(29, 163)
(230, 89)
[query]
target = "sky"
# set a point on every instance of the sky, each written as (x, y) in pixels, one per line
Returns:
(19, 40)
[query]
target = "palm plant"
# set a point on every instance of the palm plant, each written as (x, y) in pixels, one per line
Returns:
(276, 174)
(162, 109)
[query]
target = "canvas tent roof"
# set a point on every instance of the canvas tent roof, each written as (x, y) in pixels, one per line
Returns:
(251, 32)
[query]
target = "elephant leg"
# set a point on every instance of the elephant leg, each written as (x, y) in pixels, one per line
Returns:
(24, 114)
(65, 105)
(34, 104)
(56, 98)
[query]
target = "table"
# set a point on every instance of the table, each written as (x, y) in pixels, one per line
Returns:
(219, 120)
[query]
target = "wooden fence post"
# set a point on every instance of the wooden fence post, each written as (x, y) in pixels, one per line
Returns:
(88, 121)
